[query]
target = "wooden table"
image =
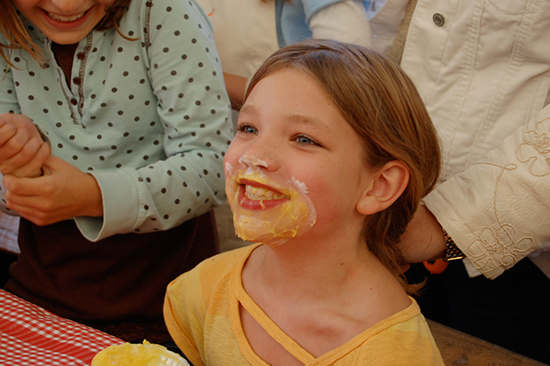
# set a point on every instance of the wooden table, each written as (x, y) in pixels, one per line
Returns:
(30, 335)
(461, 349)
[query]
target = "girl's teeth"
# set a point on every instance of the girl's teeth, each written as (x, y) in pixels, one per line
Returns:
(61, 18)
(255, 193)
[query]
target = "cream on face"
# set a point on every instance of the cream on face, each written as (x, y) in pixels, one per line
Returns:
(266, 211)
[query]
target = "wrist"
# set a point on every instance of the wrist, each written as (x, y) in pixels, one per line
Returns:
(94, 205)
(452, 251)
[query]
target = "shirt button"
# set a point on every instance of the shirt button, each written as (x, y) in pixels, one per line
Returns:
(74, 101)
(77, 81)
(81, 56)
(438, 19)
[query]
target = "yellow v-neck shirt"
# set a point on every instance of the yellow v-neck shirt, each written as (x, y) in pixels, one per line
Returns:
(201, 311)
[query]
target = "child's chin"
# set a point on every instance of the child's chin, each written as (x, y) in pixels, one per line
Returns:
(269, 232)
(266, 239)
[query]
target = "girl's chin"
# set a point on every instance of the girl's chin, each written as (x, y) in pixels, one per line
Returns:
(273, 225)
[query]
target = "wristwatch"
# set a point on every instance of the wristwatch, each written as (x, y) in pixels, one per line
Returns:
(453, 252)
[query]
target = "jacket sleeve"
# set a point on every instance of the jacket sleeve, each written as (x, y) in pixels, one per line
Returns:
(497, 210)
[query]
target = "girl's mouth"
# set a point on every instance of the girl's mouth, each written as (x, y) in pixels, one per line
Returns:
(260, 193)
(266, 211)
(66, 18)
(66, 22)
(259, 197)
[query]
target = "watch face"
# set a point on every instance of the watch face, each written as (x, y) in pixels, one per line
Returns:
(453, 252)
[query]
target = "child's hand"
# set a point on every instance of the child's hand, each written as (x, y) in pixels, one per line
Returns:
(63, 192)
(22, 150)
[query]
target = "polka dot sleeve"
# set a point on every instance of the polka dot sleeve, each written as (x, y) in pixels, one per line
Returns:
(193, 110)
(8, 104)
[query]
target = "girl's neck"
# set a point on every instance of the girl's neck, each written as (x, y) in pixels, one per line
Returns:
(310, 266)
(339, 279)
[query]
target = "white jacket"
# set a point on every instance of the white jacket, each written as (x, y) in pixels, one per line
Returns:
(483, 70)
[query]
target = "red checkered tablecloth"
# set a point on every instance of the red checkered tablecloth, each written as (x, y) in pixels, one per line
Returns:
(30, 335)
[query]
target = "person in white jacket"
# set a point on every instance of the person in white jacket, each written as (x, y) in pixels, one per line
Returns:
(483, 70)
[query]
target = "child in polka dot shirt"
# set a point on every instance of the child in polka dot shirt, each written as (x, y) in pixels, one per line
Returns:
(114, 121)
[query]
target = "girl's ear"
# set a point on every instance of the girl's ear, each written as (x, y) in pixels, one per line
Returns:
(387, 184)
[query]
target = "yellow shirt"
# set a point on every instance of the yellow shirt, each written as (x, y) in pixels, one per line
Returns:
(201, 310)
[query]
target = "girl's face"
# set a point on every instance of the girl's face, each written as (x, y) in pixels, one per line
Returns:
(64, 21)
(295, 163)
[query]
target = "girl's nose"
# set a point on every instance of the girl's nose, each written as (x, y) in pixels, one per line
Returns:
(252, 161)
(261, 154)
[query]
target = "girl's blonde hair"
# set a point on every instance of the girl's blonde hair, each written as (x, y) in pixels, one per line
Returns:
(383, 106)
(17, 37)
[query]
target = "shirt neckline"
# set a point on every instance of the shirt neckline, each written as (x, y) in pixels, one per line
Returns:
(239, 296)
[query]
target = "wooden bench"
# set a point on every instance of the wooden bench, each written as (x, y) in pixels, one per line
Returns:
(461, 349)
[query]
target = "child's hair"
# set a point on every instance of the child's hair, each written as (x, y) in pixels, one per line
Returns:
(383, 106)
(17, 36)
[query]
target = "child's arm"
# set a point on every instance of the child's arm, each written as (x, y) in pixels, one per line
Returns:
(235, 86)
(343, 21)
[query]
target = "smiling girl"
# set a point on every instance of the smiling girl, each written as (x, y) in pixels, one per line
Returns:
(130, 99)
(333, 153)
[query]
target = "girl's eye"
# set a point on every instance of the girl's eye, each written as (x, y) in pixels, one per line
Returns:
(305, 140)
(248, 129)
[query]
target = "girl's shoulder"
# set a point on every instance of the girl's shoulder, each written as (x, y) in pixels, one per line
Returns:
(161, 25)
(210, 276)
(225, 261)
(214, 269)
(162, 17)
(166, 8)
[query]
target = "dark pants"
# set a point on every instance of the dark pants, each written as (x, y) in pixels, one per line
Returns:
(512, 311)
(116, 285)
(6, 259)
